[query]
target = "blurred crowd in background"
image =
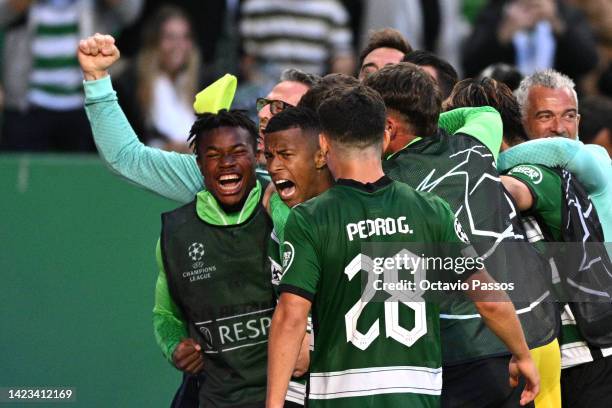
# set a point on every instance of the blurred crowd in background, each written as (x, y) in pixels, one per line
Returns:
(172, 49)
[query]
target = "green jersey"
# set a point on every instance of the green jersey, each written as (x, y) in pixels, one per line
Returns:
(366, 353)
(543, 222)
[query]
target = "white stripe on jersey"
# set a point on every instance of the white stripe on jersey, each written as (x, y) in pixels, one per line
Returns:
(55, 46)
(573, 354)
(379, 380)
(66, 77)
(296, 392)
(55, 102)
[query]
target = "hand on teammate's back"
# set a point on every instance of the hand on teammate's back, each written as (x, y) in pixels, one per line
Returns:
(187, 356)
(527, 368)
(96, 54)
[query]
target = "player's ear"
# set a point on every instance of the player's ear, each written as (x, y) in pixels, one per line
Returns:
(324, 144)
(386, 140)
(320, 159)
(390, 127)
(200, 164)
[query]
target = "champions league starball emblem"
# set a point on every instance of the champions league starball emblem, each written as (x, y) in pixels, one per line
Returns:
(196, 251)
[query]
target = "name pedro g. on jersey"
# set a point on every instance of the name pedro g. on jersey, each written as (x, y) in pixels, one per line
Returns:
(366, 350)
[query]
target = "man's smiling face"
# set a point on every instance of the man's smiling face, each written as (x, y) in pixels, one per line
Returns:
(551, 112)
(226, 158)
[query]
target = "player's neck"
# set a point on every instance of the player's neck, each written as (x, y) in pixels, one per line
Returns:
(363, 166)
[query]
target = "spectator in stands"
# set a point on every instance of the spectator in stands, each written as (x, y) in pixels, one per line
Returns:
(157, 90)
(596, 122)
(534, 35)
(312, 36)
(41, 78)
(384, 47)
(433, 25)
(440, 70)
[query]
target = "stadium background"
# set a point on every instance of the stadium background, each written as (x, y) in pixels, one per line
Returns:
(77, 255)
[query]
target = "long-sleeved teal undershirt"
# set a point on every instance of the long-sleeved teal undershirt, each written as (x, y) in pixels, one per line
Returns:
(168, 323)
(590, 164)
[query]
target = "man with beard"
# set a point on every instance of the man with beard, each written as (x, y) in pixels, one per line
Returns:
(461, 169)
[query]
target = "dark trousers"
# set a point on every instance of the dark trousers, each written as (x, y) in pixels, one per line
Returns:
(480, 384)
(588, 385)
(43, 130)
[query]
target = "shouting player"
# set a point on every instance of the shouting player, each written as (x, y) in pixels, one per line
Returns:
(350, 368)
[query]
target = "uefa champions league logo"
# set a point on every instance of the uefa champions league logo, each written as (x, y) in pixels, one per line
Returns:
(196, 251)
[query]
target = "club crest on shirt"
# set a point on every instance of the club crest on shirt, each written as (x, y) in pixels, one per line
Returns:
(288, 254)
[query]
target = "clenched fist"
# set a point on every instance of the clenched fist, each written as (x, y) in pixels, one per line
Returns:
(187, 356)
(96, 54)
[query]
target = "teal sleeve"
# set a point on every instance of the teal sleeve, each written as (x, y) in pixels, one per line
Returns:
(483, 123)
(589, 163)
(169, 174)
(168, 325)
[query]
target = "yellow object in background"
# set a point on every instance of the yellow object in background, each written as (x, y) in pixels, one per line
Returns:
(216, 96)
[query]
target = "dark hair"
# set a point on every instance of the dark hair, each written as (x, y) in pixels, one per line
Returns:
(447, 75)
(409, 90)
(206, 122)
(474, 92)
(596, 112)
(508, 74)
(297, 75)
(353, 116)
(384, 38)
(151, 34)
(315, 95)
(294, 117)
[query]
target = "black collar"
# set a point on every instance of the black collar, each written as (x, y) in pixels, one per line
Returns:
(384, 181)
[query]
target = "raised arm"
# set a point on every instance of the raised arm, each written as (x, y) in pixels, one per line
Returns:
(169, 174)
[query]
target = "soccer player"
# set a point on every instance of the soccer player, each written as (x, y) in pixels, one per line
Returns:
(460, 168)
(197, 285)
(559, 210)
(351, 368)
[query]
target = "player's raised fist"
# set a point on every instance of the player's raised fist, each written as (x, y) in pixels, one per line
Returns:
(96, 54)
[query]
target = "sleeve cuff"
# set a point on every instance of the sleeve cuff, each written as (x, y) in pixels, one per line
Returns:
(98, 88)
(296, 291)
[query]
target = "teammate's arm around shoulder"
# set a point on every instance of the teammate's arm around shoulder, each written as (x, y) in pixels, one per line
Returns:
(519, 192)
(172, 175)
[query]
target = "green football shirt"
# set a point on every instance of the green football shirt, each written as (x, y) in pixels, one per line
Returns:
(546, 189)
(367, 353)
